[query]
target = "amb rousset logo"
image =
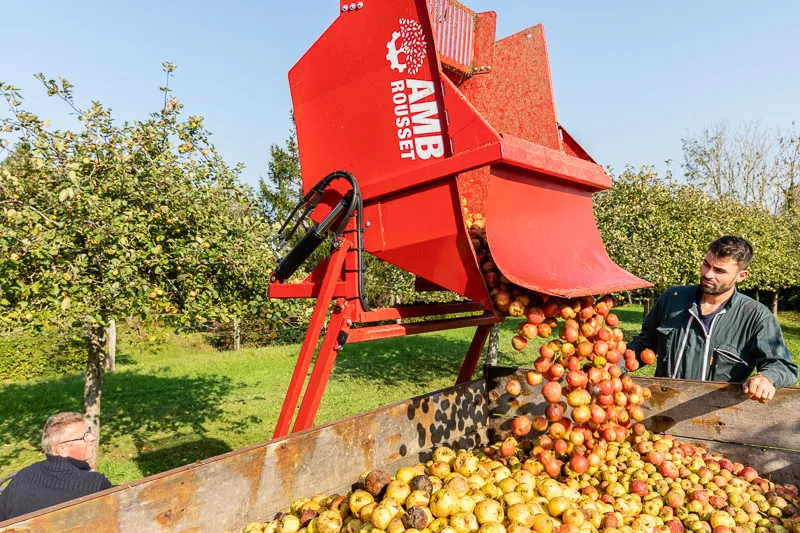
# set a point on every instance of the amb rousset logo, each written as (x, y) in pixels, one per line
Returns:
(419, 130)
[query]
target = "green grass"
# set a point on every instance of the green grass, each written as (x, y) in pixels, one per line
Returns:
(188, 402)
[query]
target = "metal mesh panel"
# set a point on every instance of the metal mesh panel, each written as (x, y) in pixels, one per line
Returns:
(454, 28)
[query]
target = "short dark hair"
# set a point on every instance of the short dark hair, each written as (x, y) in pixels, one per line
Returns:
(733, 247)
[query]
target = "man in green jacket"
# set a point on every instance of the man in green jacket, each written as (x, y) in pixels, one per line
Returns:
(712, 332)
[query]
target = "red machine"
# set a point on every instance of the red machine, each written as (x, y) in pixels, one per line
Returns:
(406, 107)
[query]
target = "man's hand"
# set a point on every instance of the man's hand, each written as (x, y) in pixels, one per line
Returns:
(758, 387)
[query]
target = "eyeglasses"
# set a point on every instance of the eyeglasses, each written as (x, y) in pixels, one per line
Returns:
(86, 437)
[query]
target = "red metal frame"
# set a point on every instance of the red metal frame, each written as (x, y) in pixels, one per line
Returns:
(340, 282)
(310, 341)
(417, 100)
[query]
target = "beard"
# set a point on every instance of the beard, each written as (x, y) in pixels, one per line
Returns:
(715, 289)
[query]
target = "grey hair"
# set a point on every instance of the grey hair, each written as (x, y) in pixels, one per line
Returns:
(53, 428)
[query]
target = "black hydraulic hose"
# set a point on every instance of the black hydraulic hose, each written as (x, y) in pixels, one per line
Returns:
(355, 205)
(310, 200)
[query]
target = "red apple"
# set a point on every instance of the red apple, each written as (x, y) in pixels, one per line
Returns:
(513, 387)
(519, 343)
(533, 378)
(521, 426)
(648, 356)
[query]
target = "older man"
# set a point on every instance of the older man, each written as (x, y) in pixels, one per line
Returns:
(62, 476)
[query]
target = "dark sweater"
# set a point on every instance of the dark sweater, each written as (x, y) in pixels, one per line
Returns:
(52, 481)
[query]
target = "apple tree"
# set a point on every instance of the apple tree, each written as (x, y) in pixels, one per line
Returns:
(110, 220)
(651, 227)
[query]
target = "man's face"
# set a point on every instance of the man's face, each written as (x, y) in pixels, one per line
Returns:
(718, 275)
(77, 447)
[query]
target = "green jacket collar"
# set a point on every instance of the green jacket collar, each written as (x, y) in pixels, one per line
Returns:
(735, 299)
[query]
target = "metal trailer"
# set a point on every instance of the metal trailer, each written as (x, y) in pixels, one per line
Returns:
(226, 492)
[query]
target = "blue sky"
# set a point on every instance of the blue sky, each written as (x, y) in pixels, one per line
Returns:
(631, 79)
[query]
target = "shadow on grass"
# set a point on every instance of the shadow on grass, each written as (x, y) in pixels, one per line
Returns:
(125, 359)
(162, 459)
(417, 359)
(133, 404)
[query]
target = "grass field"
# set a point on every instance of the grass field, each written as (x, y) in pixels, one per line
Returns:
(189, 402)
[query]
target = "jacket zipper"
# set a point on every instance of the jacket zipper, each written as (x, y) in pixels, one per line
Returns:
(708, 339)
(680, 354)
(708, 343)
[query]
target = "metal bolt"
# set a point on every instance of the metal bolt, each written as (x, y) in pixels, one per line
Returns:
(349, 322)
(339, 307)
(344, 8)
(338, 347)
(352, 7)
(360, 5)
(369, 223)
(273, 279)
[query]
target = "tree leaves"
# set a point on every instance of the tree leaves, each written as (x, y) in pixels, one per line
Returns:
(659, 230)
(66, 194)
(99, 218)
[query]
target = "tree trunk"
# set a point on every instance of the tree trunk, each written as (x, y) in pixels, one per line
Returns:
(494, 345)
(628, 298)
(775, 303)
(397, 300)
(648, 304)
(93, 388)
(237, 336)
(111, 333)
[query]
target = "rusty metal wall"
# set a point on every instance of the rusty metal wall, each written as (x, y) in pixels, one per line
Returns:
(716, 414)
(228, 491)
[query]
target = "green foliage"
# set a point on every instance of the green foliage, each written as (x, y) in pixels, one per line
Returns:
(659, 230)
(284, 187)
(650, 227)
(29, 356)
(139, 219)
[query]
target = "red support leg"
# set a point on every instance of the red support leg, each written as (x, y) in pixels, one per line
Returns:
(474, 354)
(322, 371)
(310, 341)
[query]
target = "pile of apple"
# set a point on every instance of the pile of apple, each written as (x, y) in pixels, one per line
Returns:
(604, 407)
(646, 484)
(589, 400)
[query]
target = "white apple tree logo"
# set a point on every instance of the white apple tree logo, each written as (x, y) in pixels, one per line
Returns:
(412, 47)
